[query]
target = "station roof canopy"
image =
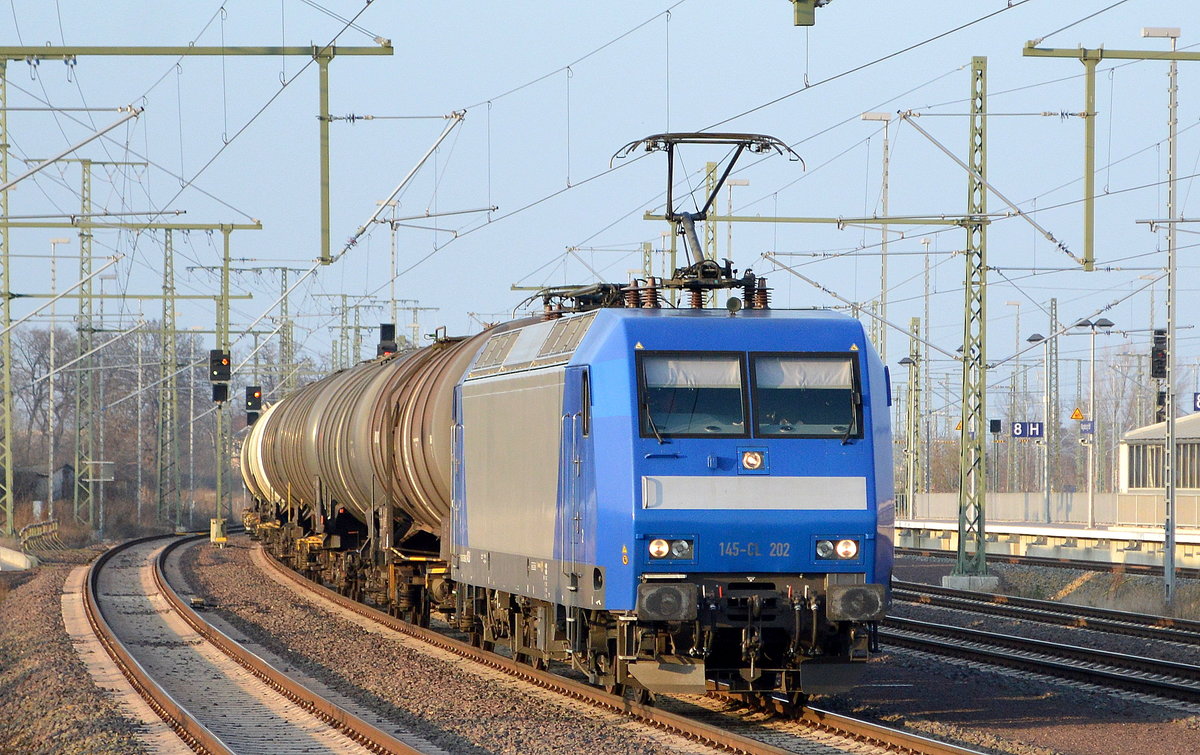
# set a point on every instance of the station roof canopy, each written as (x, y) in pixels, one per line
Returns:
(1187, 428)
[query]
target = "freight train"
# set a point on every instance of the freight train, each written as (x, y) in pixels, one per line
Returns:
(666, 498)
(671, 500)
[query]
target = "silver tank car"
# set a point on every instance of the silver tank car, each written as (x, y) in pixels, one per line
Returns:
(378, 431)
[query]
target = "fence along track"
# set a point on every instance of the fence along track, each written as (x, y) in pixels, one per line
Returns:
(186, 724)
(41, 537)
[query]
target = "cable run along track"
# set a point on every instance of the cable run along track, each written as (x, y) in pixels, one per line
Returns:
(217, 696)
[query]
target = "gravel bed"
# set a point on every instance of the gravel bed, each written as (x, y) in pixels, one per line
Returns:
(1014, 712)
(455, 708)
(1115, 591)
(48, 702)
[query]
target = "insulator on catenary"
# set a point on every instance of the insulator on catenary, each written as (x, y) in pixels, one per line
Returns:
(550, 311)
(650, 294)
(697, 298)
(632, 299)
(748, 289)
(762, 294)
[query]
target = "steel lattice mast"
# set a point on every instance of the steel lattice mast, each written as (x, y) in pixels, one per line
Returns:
(972, 555)
(169, 503)
(6, 401)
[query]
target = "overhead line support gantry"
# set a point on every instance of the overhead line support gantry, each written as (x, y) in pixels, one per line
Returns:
(322, 55)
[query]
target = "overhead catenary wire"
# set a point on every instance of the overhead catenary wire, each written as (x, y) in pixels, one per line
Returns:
(556, 193)
(807, 86)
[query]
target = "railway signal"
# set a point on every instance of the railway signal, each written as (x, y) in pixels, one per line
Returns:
(387, 339)
(253, 404)
(219, 370)
(220, 392)
(1158, 355)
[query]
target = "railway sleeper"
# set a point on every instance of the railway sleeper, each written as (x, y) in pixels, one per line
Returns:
(763, 651)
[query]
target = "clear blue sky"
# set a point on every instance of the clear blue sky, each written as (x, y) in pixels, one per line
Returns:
(552, 90)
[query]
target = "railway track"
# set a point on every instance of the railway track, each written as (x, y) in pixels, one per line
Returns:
(1052, 612)
(216, 695)
(714, 729)
(1060, 563)
(1168, 679)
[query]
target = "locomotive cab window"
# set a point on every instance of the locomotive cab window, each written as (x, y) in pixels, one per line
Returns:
(806, 396)
(690, 394)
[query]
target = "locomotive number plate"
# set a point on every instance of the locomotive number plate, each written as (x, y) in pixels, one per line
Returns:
(736, 549)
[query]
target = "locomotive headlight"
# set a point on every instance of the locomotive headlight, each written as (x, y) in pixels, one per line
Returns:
(681, 549)
(674, 549)
(847, 549)
(837, 550)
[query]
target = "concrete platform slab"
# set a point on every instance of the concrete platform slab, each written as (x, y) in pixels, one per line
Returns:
(971, 582)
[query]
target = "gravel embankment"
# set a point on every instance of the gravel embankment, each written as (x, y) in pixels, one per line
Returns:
(454, 707)
(48, 703)
(1016, 712)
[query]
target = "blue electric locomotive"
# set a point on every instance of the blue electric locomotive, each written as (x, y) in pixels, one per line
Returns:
(677, 500)
(668, 499)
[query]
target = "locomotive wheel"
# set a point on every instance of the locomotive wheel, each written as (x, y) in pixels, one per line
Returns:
(475, 639)
(795, 704)
(638, 695)
(603, 668)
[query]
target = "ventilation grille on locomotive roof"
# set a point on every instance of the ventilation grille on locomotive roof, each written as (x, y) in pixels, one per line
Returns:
(566, 335)
(496, 350)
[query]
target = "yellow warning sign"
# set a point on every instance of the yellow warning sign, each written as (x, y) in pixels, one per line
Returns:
(1077, 414)
(638, 345)
(854, 347)
(959, 425)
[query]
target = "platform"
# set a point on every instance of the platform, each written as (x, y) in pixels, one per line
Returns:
(1142, 546)
(14, 560)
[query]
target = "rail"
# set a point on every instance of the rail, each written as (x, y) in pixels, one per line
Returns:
(1145, 675)
(333, 714)
(1058, 563)
(193, 732)
(1148, 626)
(712, 735)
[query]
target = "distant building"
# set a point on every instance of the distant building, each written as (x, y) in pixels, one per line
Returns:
(1142, 496)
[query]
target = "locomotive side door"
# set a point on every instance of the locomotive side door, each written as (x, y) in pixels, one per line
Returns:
(574, 473)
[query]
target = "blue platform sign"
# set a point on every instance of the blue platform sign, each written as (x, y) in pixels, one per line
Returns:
(1196, 402)
(1028, 429)
(1087, 427)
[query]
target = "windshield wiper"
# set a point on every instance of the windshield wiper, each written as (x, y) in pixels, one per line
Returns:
(653, 427)
(855, 401)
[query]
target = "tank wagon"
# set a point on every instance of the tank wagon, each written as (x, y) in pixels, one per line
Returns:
(670, 500)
